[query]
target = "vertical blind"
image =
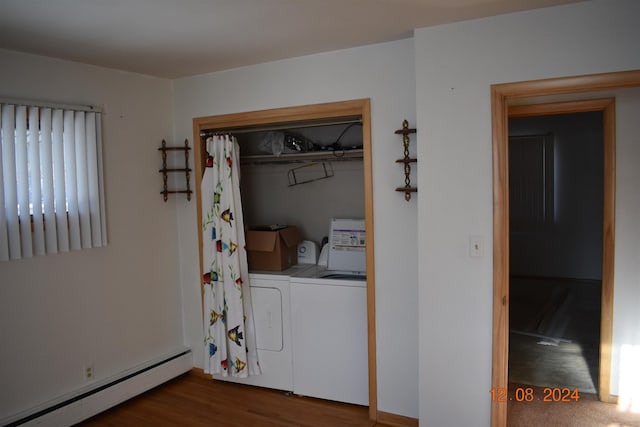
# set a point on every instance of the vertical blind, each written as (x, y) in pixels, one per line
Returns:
(531, 182)
(52, 195)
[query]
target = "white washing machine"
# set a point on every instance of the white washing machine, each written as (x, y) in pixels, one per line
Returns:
(329, 330)
(270, 297)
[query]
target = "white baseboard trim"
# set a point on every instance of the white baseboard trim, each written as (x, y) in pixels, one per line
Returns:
(102, 395)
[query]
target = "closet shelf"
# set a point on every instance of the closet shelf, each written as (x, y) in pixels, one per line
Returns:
(303, 157)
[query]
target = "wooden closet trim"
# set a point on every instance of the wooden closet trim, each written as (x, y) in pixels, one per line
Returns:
(300, 114)
(501, 96)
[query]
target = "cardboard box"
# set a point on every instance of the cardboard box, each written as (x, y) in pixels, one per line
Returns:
(272, 250)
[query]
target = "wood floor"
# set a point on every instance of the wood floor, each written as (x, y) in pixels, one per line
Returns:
(194, 399)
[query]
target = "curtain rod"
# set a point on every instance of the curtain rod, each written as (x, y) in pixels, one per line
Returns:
(285, 126)
(56, 106)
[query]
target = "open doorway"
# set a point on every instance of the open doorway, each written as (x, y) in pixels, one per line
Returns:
(556, 171)
(506, 99)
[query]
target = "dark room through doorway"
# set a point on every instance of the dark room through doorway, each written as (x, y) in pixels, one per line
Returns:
(555, 239)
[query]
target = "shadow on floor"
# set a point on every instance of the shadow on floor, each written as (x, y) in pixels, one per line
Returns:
(554, 332)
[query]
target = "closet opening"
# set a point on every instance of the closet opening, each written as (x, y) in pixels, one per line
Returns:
(304, 166)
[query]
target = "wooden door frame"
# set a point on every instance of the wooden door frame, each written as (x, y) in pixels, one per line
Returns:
(607, 107)
(360, 108)
(503, 97)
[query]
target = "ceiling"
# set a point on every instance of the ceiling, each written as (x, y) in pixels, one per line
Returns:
(178, 38)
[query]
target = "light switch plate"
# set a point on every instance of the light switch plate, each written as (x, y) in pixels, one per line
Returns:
(476, 246)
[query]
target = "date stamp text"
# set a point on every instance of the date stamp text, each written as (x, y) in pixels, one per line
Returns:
(528, 394)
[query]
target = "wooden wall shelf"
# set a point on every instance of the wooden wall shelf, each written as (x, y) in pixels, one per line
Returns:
(166, 170)
(406, 160)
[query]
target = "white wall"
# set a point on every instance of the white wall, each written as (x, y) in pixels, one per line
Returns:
(113, 307)
(384, 73)
(268, 199)
(455, 66)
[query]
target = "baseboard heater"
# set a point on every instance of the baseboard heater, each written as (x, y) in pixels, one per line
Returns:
(102, 395)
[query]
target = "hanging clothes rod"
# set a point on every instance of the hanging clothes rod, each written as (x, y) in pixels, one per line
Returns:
(284, 126)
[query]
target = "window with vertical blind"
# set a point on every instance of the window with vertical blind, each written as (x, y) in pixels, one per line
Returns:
(51, 195)
(531, 182)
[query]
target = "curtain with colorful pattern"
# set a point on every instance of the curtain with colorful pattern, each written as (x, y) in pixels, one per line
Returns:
(230, 342)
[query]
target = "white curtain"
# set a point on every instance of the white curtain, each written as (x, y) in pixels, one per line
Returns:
(51, 196)
(230, 342)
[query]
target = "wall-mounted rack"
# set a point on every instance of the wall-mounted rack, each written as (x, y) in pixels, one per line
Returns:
(166, 170)
(406, 160)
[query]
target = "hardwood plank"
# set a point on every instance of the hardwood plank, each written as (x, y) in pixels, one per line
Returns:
(195, 399)
(396, 420)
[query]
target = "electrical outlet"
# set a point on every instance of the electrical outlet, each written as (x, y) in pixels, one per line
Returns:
(88, 372)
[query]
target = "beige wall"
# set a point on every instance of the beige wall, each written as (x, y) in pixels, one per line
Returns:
(113, 307)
